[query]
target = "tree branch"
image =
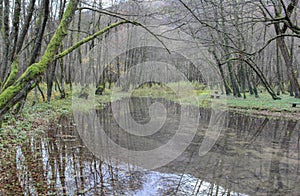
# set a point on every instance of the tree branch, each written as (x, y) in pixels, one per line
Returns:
(128, 21)
(83, 41)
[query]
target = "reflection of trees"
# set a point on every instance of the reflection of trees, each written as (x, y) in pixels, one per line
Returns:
(276, 179)
(252, 156)
(60, 164)
(9, 182)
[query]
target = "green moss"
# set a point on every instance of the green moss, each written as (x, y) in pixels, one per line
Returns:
(30, 73)
(13, 73)
(37, 69)
(100, 86)
(7, 95)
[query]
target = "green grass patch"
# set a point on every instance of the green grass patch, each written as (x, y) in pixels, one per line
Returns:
(264, 102)
(196, 94)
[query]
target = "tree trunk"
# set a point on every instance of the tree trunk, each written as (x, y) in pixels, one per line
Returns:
(50, 79)
(27, 81)
(279, 72)
(292, 74)
(62, 79)
(261, 76)
(286, 54)
(225, 83)
(5, 36)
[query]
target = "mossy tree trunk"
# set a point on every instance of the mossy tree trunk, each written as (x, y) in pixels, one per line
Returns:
(262, 77)
(18, 90)
(40, 28)
(29, 79)
(51, 70)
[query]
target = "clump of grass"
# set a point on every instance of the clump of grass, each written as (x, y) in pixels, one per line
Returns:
(264, 102)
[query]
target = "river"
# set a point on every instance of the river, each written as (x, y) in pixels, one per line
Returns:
(251, 156)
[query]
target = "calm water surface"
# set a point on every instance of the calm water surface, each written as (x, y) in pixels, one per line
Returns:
(252, 156)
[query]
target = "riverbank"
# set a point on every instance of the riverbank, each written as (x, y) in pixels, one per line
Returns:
(52, 163)
(18, 130)
(35, 120)
(39, 116)
(263, 105)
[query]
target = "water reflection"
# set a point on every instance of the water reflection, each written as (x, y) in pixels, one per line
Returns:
(253, 156)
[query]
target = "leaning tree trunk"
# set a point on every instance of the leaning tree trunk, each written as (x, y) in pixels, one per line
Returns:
(261, 76)
(28, 80)
(14, 93)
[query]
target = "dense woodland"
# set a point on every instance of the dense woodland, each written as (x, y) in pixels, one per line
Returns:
(250, 43)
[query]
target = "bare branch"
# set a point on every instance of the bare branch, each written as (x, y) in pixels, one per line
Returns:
(127, 21)
(85, 40)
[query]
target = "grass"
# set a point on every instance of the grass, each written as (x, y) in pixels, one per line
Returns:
(201, 97)
(195, 94)
(264, 102)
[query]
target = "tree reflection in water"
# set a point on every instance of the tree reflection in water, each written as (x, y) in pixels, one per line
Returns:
(252, 156)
